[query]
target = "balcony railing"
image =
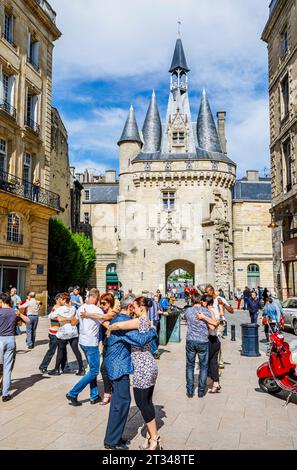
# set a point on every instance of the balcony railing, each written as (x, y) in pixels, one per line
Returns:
(15, 239)
(5, 106)
(14, 185)
(47, 9)
(33, 125)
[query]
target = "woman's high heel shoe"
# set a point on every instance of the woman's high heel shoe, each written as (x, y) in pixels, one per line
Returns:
(157, 444)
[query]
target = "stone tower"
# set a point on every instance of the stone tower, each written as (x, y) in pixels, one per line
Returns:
(175, 203)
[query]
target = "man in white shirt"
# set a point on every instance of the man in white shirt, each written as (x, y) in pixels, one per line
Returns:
(89, 317)
(33, 307)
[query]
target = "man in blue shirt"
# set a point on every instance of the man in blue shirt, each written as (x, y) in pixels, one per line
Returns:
(118, 366)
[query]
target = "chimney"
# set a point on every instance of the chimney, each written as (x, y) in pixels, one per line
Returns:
(110, 176)
(86, 176)
(221, 116)
(252, 175)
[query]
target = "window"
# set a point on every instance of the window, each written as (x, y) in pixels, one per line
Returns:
(3, 155)
(253, 276)
(33, 52)
(7, 92)
(27, 175)
(32, 112)
(8, 28)
(87, 195)
(221, 249)
(152, 233)
(284, 43)
(184, 234)
(178, 138)
(288, 164)
(168, 201)
(87, 218)
(13, 228)
(285, 97)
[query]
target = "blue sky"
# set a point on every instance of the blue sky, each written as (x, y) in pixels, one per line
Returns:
(114, 53)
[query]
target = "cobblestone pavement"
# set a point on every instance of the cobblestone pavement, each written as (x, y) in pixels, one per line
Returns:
(240, 417)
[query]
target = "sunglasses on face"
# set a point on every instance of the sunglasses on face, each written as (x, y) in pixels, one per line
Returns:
(103, 303)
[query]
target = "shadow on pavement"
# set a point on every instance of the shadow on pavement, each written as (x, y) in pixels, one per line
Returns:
(41, 342)
(20, 385)
(135, 422)
(280, 396)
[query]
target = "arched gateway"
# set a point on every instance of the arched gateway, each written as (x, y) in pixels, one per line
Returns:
(176, 264)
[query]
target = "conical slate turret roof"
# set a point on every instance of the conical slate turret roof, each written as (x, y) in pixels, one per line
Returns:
(130, 132)
(179, 58)
(207, 133)
(152, 128)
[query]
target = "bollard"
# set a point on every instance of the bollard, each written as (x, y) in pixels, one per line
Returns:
(233, 333)
(250, 340)
(225, 329)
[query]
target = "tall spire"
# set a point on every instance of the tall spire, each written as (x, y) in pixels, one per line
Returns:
(207, 133)
(152, 128)
(130, 132)
(179, 58)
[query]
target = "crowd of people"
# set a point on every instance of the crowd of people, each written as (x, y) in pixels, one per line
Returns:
(127, 329)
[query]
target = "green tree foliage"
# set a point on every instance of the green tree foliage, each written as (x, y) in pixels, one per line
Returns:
(71, 258)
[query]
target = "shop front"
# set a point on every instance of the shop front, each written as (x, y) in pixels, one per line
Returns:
(290, 262)
(13, 274)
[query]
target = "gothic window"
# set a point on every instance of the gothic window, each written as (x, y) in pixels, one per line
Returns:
(284, 42)
(189, 166)
(13, 228)
(221, 249)
(215, 165)
(178, 138)
(184, 234)
(168, 166)
(87, 195)
(147, 167)
(168, 199)
(87, 218)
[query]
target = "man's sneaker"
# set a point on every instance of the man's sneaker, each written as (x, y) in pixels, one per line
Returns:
(190, 395)
(73, 401)
(43, 370)
(96, 400)
(54, 372)
(119, 446)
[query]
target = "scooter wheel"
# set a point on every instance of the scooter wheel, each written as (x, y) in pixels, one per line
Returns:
(269, 385)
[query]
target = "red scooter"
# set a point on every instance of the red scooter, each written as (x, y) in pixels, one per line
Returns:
(279, 373)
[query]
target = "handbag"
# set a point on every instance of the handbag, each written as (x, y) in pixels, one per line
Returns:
(265, 321)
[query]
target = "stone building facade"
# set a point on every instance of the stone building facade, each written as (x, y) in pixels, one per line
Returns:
(60, 174)
(27, 31)
(280, 34)
(252, 237)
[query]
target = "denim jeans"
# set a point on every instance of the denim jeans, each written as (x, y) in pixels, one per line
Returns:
(254, 317)
(31, 330)
(192, 349)
(155, 341)
(93, 360)
(8, 350)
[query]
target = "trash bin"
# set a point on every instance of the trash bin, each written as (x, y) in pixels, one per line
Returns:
(250, 340)
(170, 329)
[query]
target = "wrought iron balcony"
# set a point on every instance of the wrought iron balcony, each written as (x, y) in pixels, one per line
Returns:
(47, 9)
(22, 188)
(33, 125)
(5, 106)
(15, 239)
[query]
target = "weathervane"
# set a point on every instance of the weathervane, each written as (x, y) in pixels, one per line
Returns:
(179, 25)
